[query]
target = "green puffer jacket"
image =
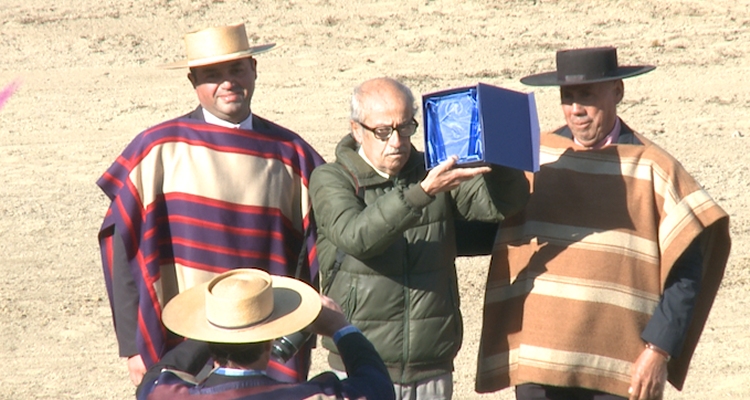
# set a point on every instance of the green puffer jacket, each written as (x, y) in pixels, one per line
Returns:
(398, 281)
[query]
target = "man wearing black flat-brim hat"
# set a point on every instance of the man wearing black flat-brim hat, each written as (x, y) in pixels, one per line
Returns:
(601, 287)
(216, 189)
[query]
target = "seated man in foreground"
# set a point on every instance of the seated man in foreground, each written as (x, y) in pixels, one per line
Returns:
(233, 318)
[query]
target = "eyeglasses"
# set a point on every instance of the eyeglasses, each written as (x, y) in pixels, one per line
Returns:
(407, 129)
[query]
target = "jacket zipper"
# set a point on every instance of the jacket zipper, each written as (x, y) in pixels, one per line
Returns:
(407, 309)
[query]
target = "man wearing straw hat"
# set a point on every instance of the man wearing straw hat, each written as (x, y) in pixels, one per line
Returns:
(601, 287)
(232, 320)
(216, 189)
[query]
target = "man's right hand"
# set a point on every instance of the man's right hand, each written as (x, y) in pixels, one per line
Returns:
(330, 319)
(445, 177)
(136, 368)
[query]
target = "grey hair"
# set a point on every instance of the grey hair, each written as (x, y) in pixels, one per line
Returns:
(360, 93)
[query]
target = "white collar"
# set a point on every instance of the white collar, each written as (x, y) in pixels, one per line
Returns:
(225, 371)
(214, 120)
(362, 154)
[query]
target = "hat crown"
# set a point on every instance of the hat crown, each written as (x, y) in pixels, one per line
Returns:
(581, 65)
(244, 305)
(217, 45)
(216, 42)
(239, 299)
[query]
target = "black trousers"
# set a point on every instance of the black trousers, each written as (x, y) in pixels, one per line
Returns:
(532, 391)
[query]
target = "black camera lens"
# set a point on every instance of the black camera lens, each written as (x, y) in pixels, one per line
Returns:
(284, 348)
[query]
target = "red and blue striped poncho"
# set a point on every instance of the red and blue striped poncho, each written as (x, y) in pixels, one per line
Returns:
(191, 200)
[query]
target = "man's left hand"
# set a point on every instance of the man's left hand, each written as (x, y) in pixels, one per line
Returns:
(649, 376)
(445, 177)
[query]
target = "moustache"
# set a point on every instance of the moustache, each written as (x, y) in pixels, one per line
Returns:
(396, 153)
(232, 92)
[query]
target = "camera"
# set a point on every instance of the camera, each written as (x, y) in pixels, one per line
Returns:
(284, 348)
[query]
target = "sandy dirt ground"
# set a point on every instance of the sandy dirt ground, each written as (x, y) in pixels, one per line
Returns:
(89, 83)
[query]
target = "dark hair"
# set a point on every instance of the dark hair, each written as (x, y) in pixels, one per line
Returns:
(242, 354)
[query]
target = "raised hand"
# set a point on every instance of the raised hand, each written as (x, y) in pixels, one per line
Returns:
(445, 177)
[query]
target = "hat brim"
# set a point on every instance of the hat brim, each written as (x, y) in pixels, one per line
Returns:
(551, 79)
(202, 62)
(296, 305)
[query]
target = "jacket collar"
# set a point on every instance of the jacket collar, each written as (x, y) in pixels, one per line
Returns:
(215, 383)
(346, 154)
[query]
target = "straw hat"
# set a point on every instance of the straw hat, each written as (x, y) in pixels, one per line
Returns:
(582, 66)
(217, 45)
(242, 306)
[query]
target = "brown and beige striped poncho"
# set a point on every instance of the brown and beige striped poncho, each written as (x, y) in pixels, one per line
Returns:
(576, 276)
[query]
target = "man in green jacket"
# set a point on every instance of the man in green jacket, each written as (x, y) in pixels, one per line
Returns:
(392, 223)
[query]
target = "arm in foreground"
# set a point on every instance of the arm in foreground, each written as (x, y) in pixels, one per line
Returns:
(362, 231)
(367, 374)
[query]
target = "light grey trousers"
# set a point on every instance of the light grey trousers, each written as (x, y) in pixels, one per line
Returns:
(436, 388)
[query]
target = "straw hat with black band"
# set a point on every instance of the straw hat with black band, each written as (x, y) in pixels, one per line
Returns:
(217, 45)
(242, 306)
(584, 66)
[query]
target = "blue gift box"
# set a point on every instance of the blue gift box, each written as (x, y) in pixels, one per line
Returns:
(481, 124)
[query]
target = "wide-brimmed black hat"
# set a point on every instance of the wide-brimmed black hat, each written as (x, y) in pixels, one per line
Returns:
(582, 66)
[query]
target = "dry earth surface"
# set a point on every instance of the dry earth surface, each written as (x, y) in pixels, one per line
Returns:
(89, 83)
